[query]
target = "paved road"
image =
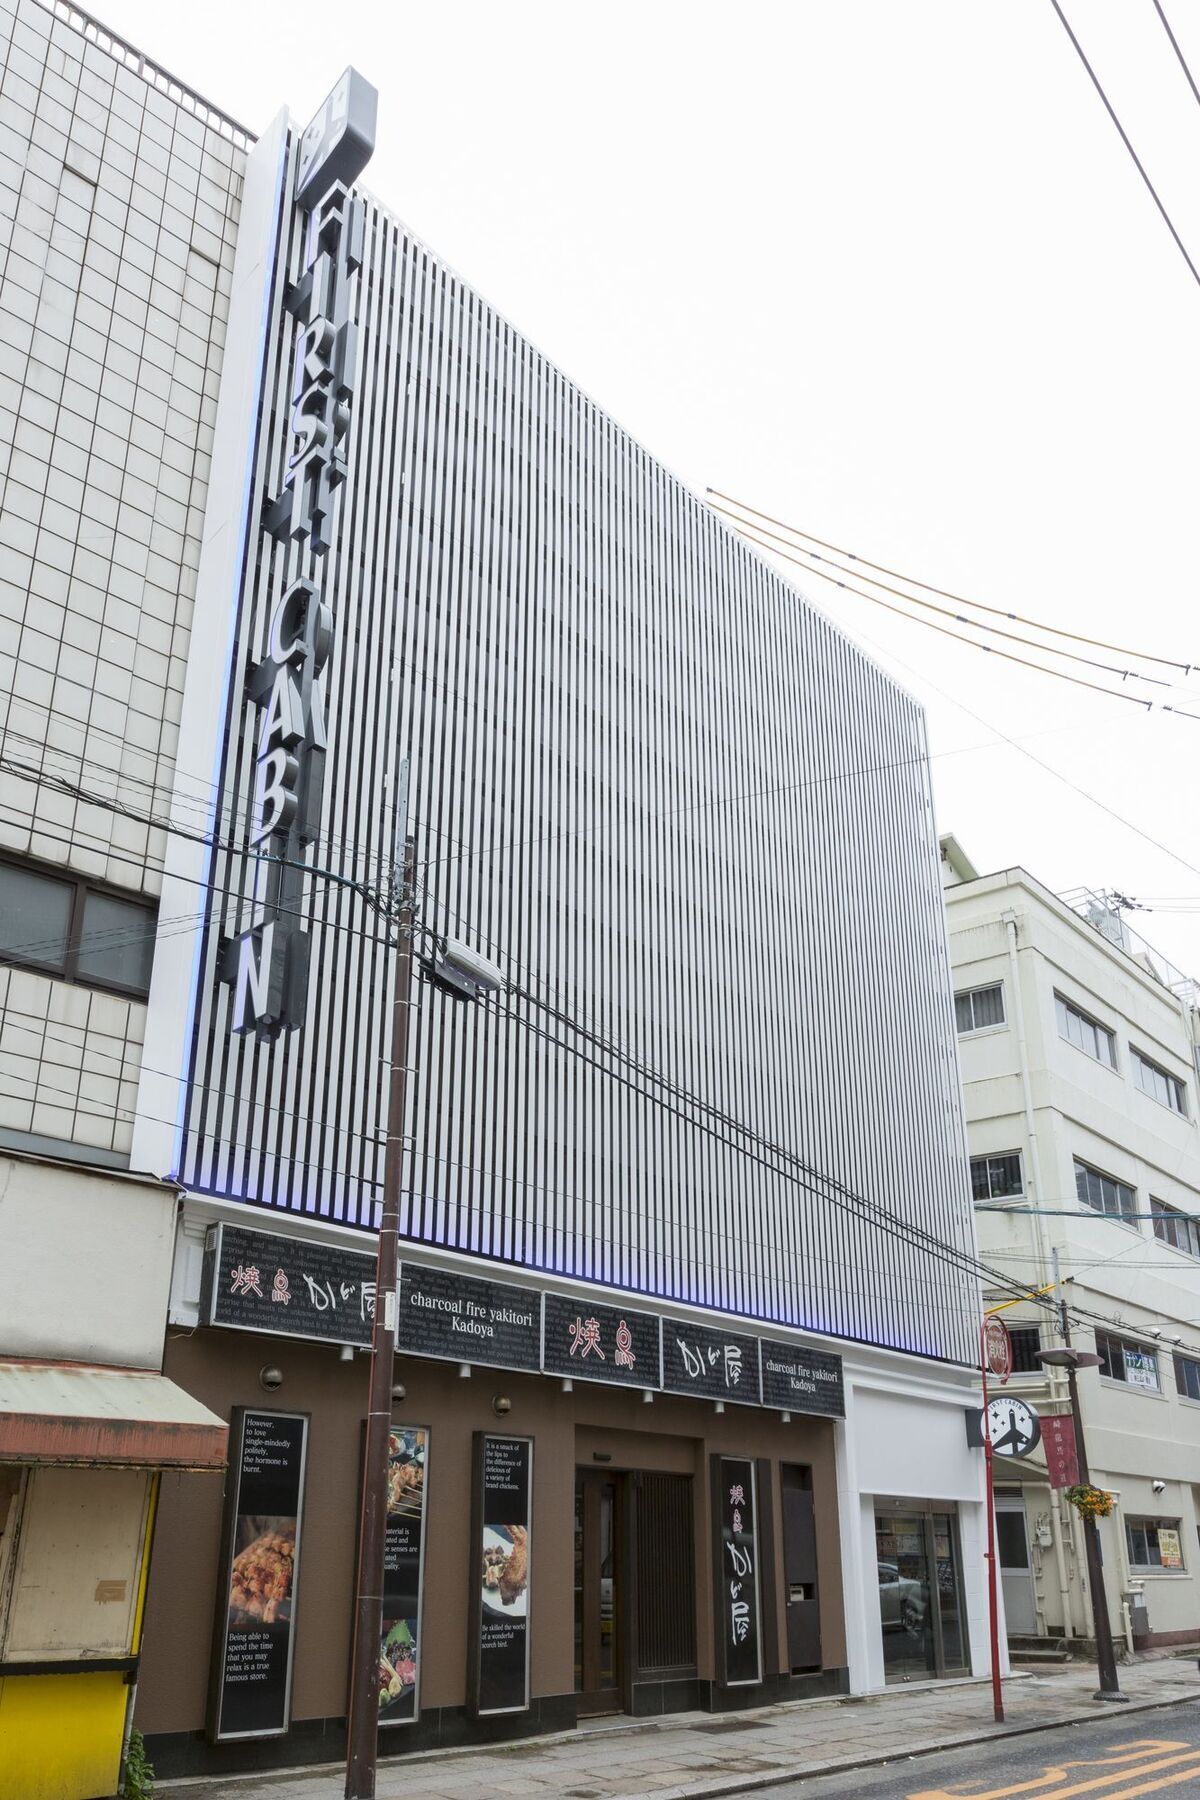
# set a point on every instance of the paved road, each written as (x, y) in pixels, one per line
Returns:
(1105, 1760)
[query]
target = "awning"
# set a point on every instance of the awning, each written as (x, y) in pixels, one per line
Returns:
(84, 1414)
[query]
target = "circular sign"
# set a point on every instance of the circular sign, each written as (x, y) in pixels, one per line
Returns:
(997, 1349)
(1013, 1428)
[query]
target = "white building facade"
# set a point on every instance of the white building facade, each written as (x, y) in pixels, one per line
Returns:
(326, 552)
(1079, 1074)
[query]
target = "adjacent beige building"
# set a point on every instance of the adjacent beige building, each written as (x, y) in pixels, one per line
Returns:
(1078, 1053)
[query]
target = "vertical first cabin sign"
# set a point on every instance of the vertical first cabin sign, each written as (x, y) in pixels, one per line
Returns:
(267, 965)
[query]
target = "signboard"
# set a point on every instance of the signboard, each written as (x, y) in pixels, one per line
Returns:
(738, 1618)
(600, 1343)
(501, 1557)
(403, 1569)
(288, 1287)
(1141, 1368)
(252, 1667)
(721, 1365)
(337, 145)
(461, 1318)
(1170, 1550)
(997, 1349)
(798, 1379)
(1062, 1460)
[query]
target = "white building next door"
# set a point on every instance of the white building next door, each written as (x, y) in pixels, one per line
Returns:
(1016, 1573)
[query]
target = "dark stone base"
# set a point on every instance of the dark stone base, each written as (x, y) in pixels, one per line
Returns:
(178, 1753)
(650, 1698)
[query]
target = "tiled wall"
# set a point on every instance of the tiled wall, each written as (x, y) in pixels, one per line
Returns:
(118, 212)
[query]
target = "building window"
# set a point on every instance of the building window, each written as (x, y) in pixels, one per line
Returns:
(1187, 1377)
(1124, 1361)
(1176, 1228)
(1026, 1342)
(979, 1007)
(996, 1177)
(61, 925)
(1087, 1034)
(1159, 1083)
(1103, 1194)
(1154, 1543)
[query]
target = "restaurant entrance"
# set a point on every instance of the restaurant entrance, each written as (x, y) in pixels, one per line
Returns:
(920, 1589)
(600, 1503)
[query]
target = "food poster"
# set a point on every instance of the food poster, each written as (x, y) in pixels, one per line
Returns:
(252, 1676)
(503, 1547)
(1170, 1549)
(737, 1571)
(403, 1560)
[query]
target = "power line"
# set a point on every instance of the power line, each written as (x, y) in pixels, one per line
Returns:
(926, 587)
(1110, 109)
(751, 537)
(1179, 53)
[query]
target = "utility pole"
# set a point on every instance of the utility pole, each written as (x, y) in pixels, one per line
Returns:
(1072, 1361)
(362, 1722)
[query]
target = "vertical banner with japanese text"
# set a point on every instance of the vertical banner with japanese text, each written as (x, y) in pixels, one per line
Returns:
(403, 1569)
(251, 1693)
(501, 1552)
(735, 1564)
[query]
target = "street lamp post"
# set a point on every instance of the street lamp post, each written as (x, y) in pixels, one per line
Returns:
(1106, 1663)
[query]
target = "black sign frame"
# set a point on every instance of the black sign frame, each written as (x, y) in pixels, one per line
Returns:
(827, 1400)
(475, 1290)
(480, 1679)
(219, 1685)
(601, 1350)
(285, 1249)
(394, 1589)
(736, 1561)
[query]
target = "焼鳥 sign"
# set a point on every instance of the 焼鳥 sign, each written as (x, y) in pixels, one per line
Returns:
(501, 1554)
(251, 1694)
(286, 1286)
(600, 1343)
(739, 1629)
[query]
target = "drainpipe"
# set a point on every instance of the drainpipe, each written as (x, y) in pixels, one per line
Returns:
(1033, 1193)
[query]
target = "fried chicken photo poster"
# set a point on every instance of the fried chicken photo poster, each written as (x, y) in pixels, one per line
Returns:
(252, 1666)
(404, 1542)
(502, 1545)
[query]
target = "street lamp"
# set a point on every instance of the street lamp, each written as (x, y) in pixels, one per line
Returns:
(1072, 1361)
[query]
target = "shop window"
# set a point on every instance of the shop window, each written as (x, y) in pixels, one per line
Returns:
(1104, 1194)
(1187, 1377)
(1087, 1034)
(976, 1008)
(1155, 1543)
(996, 1177)
(61, 925)
(1176, 1228)
(1122, 1360)
(920, 1603)
(1158, 1082)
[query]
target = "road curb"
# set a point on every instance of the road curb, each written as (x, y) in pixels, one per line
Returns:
(752, 1784)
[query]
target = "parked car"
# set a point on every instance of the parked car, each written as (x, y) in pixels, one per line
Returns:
(901, 1601)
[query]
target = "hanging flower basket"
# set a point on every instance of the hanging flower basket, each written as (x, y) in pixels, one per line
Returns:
(1090, 1502)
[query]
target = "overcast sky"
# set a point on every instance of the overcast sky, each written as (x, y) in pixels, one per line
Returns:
(883, 270)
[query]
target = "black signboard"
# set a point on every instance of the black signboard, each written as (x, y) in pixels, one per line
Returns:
(403, 1567)
(290, 1287)
(735, 1568)
(721, 1365)
(600, 1343)
(501, 1553)
(252, 1669)
(802, 1380)
(465, 1319)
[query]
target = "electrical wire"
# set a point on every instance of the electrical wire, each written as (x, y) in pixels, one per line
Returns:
(1137, 161)
(926, 587)
(1014, 637)
(1179, 53)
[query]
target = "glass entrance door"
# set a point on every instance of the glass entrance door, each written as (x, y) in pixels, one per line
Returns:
(597, 1591)
(920, 1593)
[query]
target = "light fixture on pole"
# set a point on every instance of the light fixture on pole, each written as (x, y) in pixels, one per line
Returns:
(1106, 1663)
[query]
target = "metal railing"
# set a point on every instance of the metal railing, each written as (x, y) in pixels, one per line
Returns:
(183, 96)
(1104, 912)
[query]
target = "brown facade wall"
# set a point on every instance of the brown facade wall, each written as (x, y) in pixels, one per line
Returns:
(672, 1434)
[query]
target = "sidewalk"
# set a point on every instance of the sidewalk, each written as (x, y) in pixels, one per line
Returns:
(701, 1754)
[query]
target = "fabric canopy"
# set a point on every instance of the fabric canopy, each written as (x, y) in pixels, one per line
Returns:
(83, 1413)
